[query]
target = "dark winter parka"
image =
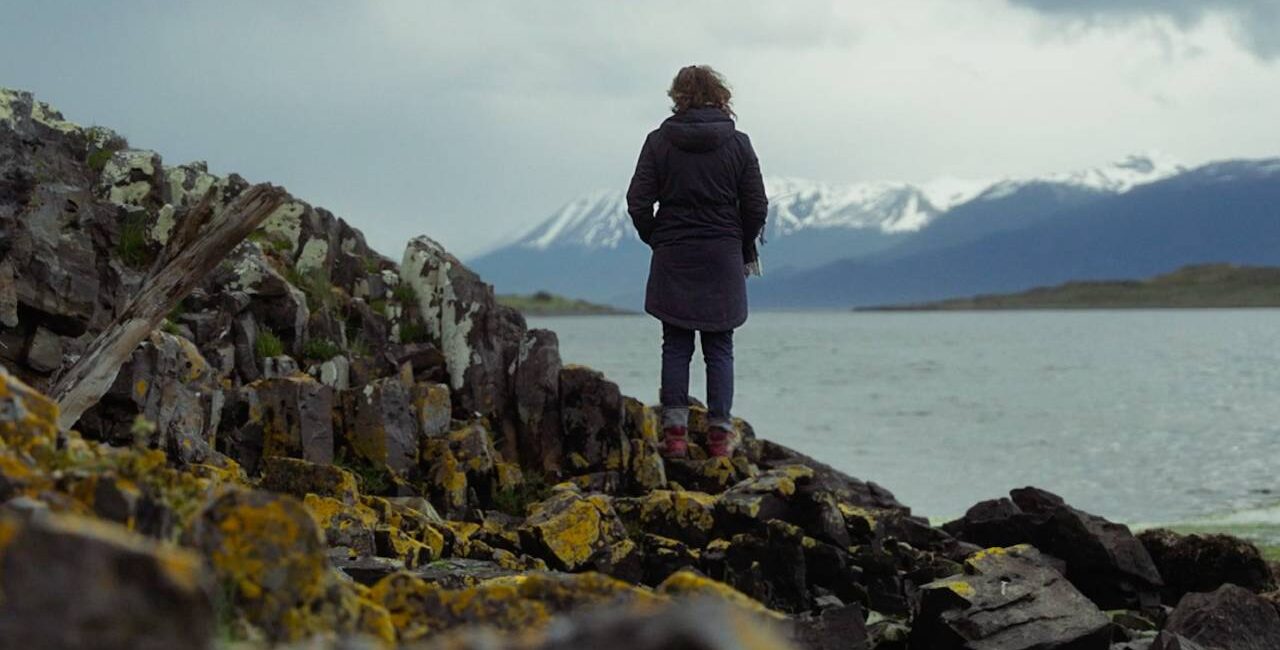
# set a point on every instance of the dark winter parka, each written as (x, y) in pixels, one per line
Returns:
(705, 178)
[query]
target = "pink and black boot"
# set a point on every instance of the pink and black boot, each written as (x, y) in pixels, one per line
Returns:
(675, 442)
(721, 442)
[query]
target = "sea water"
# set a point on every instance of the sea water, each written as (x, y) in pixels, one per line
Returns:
(1145, 417)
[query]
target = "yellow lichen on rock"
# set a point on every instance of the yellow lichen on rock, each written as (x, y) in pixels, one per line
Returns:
(28, 420)
(570, 527)
(268, 549)
(688, 584)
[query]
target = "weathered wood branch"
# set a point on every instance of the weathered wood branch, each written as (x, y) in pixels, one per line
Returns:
(191, 254)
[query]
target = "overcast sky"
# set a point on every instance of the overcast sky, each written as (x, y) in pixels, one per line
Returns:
(471, 121)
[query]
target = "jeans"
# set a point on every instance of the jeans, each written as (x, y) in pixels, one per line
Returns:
(677, 352)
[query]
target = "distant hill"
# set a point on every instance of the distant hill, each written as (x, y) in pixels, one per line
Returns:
(543, 303)
(1202, 286)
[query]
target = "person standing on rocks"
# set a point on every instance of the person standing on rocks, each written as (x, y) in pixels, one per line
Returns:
(705, 178)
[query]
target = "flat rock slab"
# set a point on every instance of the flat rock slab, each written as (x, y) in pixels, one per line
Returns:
(1008, 599)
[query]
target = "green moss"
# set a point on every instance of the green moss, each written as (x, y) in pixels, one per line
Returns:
(315, 285)
(358, 347)
(516, 500)
(379, 306)
(98, 159)
(270, 242)
(411, 332)
(405, 295)
(320, 349)
(132, 247)
(372, 478)
(103, 144)
(268, 345)
(170, 327)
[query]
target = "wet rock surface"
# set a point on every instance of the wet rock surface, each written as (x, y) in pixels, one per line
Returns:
(321, 448)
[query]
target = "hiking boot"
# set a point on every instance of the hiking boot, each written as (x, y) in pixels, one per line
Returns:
(675, 442)
(721, 442)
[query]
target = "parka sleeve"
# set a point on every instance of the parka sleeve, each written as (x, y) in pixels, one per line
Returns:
(643, 192)
(753, 204)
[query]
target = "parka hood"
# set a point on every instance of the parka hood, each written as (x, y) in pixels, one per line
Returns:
(698, 130)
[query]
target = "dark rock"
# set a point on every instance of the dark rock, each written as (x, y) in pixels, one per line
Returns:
(591, 416)
(380, 425)
(300, 478)
(71, 582)
(1103, 559)
(1230, 618)
(845, 488)
(1008, 599)
(479, 338)
(834, 628)
(536, 382)
(663, 556)
(290, 417)
(367, 570)
(768, 567)
(1205, 562)
(168, 382)
(711, 475)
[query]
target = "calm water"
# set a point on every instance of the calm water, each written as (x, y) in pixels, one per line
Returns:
(1140, 416)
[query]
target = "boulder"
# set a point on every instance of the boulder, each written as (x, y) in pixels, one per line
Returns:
(591, 416)
(167, 382)
(847, 490)
(479, 338)
(679, 514)
(380, 425)
(72, 582)
(1229, 618)
(764, 497)
(1008, 599)
(270, 550)
(536, 382)
(348, 526)
(1103, 559)
(834, 628)
(1205, 562)
(290, 417)
(567, 528)
(299, 478)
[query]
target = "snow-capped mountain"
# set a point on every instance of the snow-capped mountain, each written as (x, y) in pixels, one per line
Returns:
(1116, 178)
(810, 224)
(599, 219)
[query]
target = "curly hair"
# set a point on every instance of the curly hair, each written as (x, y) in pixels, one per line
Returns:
(696, 86)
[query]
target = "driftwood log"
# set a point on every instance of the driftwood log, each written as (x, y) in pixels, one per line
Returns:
(195, 248)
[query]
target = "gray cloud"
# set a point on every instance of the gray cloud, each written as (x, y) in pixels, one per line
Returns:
(1255, 22)
(471, 120)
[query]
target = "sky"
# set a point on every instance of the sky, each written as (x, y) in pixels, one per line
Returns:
(473, 121)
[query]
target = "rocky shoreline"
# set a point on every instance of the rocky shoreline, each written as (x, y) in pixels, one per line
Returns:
(322, 448)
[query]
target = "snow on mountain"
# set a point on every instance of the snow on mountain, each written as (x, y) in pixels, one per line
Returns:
(1116, 178)
(599, 219)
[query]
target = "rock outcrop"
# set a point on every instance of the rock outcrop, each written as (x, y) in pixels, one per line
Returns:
(324, 447)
